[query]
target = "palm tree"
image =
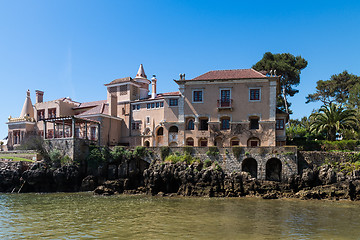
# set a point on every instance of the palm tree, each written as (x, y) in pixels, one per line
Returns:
(333, 118)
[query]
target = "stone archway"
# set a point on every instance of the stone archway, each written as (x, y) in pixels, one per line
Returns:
(147, 143)
(273, 170)
(159, 136)
(249, 165)
(218, 142)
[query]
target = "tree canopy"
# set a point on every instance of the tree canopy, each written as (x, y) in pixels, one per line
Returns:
(342, 88)
(288, 67)
(333, 119)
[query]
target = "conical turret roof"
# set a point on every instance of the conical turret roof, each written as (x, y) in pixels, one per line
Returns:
(141, 72)
(27, 110)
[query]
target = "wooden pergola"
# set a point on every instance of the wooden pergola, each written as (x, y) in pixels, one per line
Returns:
(70, 122)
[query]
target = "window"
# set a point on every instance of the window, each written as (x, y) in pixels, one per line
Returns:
(203, 142)
(148, 106)
(161, 104)
(254, 123)
(133, 107)
(135, 125)
(138, 107)
(225, 123)
(123, 90)
(173, 102)
(234, 142)
(147, 120)
(190, 142)
(92, 133)
(280, 124)
(52, 112)
(225, 98)
(160, 131)
(204, 124)
(157, 104)
(255, 94)
(190, 124)
(41, 114)
(197, 96)
(152, 105)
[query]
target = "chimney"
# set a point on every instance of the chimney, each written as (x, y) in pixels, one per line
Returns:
(153, 86)
(113, 105)
(39, 96)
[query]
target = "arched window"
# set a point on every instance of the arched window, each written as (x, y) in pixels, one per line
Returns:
(190, 141)
(190, 124)
(203, 142)
(173, 129)
(253, 142)
(160, 131)
(147, 143)
(234, 142)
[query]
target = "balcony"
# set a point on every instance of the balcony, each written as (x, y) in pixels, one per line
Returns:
(224, 104)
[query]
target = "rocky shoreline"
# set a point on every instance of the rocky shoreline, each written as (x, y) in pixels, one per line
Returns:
(165, 178)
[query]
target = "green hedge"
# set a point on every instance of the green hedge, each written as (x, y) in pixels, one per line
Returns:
(324, 145)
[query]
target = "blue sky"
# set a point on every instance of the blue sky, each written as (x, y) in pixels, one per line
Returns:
(71, 48)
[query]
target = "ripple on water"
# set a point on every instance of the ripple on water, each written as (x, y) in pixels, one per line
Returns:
(84, 216)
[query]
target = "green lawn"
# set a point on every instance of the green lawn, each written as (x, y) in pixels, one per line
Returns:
(19, 159)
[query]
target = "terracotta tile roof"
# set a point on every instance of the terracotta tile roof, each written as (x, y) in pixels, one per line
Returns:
(102, 108)
(230, 74)
(168, 94)
(90, 104)
(120, 80)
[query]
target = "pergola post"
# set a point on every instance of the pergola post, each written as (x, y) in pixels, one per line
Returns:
(86, 131)
(45, 130)
(63, 134)
(73, 127)
(54, 129)
(98, 127)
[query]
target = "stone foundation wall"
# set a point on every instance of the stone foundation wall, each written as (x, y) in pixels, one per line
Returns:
(311, 159)
(76, 149)
(232, 163)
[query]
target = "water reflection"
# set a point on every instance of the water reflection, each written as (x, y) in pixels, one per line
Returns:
(84, 216)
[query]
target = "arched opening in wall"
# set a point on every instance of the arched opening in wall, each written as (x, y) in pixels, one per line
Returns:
(147, 143)
(160, 131)
(253, 142)
(203, 142)
(159, 136)
(173, 133)
(190, 123)
(173, 144)
(189, 141)
(173, 129)
(273, 169)
(249, 165)
(218, 142)
(234, 142)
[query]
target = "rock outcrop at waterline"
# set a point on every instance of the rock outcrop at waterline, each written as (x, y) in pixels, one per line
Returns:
(38, 178)
(195, 180)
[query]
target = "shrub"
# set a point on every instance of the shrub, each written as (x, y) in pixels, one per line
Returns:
(140, 152)
(213, 151)
(55, 157)
(66, 160)
(164, 152)
(118, 154)
(207, 163)
(98, 156)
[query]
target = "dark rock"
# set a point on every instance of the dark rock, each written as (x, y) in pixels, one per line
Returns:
(89, 183)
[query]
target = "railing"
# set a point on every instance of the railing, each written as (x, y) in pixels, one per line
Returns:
(224, 103)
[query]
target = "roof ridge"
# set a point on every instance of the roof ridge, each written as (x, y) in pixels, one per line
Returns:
(258, 72)
(241, 69)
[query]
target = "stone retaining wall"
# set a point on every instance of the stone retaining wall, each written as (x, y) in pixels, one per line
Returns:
(287, 155)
